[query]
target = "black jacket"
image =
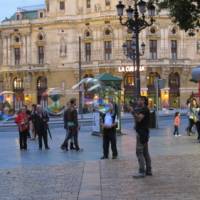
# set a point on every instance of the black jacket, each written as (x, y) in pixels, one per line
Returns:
(41, 122)
(70, 118)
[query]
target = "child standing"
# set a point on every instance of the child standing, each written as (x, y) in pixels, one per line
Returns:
(177, 121)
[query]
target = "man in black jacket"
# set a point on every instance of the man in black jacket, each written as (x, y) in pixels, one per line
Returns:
(64, 145)
(71, 125)
(142, 115)
(41, 126)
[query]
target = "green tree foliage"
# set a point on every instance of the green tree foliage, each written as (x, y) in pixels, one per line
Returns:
(186, 13)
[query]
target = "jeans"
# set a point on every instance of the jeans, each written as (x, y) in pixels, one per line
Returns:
(144, 159)
(176, 132)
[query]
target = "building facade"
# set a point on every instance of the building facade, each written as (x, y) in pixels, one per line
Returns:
(39, 49)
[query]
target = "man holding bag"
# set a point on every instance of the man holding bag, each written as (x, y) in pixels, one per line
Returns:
(22, 121)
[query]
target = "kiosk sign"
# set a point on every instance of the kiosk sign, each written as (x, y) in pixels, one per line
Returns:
(129, 69)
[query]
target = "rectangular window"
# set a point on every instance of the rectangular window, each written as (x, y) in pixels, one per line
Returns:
(41, 55)
(17, 56)
(62, 5)
(88, 52)
(107, 2)
(107, 50)
(153, 49)
(174, 49)
(88, 3)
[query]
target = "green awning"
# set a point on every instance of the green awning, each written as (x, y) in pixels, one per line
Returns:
(108, 77)
(110, 80)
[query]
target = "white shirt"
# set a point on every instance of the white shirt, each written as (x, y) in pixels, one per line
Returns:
(108, 121)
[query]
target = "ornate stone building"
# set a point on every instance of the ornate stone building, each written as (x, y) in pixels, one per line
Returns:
(39, 49)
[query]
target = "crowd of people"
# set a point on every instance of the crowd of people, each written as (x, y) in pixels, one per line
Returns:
(37, 119)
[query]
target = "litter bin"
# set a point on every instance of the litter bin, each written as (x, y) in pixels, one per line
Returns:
(152, 121)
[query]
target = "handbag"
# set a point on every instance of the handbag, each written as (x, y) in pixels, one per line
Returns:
(23, 127)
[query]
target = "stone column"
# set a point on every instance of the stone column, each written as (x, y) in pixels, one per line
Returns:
(9, 51)
(5, 55)
(28, 48)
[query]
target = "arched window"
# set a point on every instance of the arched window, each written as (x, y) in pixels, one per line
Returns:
(151, 78)
(174, 90)
(129, 80)
(174, 80)
(41, 90)
(42, 83)
(17, 84)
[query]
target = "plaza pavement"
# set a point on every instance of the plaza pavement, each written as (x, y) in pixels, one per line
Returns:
(58, 175)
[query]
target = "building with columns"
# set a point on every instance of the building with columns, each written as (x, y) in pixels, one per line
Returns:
(39, 49)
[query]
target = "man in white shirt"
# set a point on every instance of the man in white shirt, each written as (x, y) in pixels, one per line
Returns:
(109, 134)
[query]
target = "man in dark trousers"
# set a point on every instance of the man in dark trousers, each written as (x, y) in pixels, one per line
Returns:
(109, 133)
(41, 126)
(142, 115)
(63, 146)
(71, 125)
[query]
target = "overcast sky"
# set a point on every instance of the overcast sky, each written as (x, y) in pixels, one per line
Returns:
(8, 7)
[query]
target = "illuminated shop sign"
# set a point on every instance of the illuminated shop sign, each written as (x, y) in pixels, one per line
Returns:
(129, 69)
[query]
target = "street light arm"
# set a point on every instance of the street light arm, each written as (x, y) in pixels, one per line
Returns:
(145, 24)
(121, 21)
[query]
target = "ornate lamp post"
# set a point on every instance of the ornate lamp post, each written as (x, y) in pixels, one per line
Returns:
(129, 50)
(136, 22)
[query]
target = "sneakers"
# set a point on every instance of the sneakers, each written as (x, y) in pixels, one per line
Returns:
(139, 175)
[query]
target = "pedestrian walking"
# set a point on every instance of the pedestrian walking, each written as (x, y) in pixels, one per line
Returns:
(192, 115)
(109, 133)
(142, 115)
(41, 126)
(71, 125)
(22, 120)
(64, 145)
(177, 121)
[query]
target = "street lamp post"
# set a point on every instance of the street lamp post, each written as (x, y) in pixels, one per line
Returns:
(130, 52)
(136, 22)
